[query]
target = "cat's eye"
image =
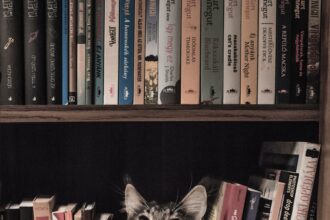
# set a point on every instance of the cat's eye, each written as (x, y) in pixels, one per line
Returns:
(143, 217)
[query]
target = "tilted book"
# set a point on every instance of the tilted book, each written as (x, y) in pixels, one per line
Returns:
(81, 52)
(169, 52)
(151, 53)
(212, 37)
(71, 209)
(232, 52)
(65, 51)
(73, 52)
(53, 50)
(267, 52)
(190, 52)
(111, 45)
(12, 55)
(139, 51)
(249, 51)
(89, 53)
(43, 207)
(251, 204)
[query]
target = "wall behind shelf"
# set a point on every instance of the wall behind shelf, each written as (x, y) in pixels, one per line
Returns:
(87, 161)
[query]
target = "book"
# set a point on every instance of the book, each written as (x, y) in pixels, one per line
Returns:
(139, 51)
(299, 51)
(251, 204)
(26, 209)
(12, 211)
(12, 55)
(53, 52)
(99, 53)
(89, 53)
(291, 180)
(73, 52)
(283, 51)
(267, 51)
(212, 49)
(126, 52)
(71, 209)
(81, 52)
(249, 51)
(34, 52)
(111, 46)
(169, 50)
(65, 51)
(78, 214)
(313, 52)
(59, 213)
(43, 207)
(151, 52)
(88, 211)
(232, 51)
(272, 191)
(299, 157)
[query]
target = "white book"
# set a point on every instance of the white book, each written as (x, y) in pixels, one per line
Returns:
(111, 50)
(232, 48)
(267, 52)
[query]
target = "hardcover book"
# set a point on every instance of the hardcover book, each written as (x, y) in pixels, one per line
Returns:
(59, 213)
(43, 207)
(26, 209)
(151, 53)
(267, 52)
(65, 51)
(313, 52)
(212, 37)
(126, 52)
(12, 212)
(88, 211)
(190, 52)
(249, 51)
(251, 204)
(53, 50)
(12, 55)
(71, 209)
(169, 48)
(73, 52)
(232, 51)
(111, 45)
(139, 51)
(81, 52)
(89, 53)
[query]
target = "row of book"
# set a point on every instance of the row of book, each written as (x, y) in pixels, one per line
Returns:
(160, 52)
(284, 192)
(43, 208)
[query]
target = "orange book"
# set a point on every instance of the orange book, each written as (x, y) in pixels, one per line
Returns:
(249, 51)
(190, 52)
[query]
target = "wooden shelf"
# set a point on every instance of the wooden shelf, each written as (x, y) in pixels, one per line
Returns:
(33, 114)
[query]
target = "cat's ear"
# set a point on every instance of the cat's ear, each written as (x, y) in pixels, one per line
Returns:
(195, 202)
(133, 200)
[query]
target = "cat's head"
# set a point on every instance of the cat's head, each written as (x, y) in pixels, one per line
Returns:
(192, 207)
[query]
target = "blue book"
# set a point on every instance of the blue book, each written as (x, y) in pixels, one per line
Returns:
(98, 53)
(126, 52)
(251, 204)
(65, 51)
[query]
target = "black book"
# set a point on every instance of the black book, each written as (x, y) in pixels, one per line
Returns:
(12, 212)
(26, 209)
(88, 211)
(53, 52)
(34, 51)
(11, 56)
(283, 51)
(299, 51)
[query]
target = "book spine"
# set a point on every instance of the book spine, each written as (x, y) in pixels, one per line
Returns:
(251, 205)
(73, 52)
(26, 213)
(89, 53)
(238, 202)
(99, 53)
(299, 51)
(232, 51)
(53, 56)
(139, 51)
(151, 53)
(81, 52)
(42, 211)
(11, 57)
(224, 212)
(126, 52)
(190, 48)
(313, 53)
(65, 51)
(249, 51)
(212, 51)
(34, 52)
(267, 52)
(283, 51)
(265, 205)
(111, 46)
(169, 52)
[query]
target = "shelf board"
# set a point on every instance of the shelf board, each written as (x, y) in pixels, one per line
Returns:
(31, 114)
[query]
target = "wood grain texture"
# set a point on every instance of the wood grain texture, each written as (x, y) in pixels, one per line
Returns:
(21, 114)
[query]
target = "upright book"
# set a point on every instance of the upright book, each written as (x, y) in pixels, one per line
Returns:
(81, 52)
(53, 52)
(26, 209)
(12, 55)
(89, 53)
(12, 212)
(190, 51)
(73, 52)
(169, 48)
(59, 213)
(65, 50)
(251, 204)
(232, 52)
(249, 51)
(43, 207)
(212, 37)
